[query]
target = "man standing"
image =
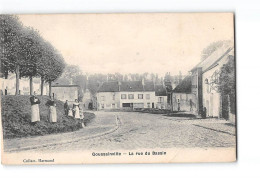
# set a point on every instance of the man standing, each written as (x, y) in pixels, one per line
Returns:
(66, 108)
(35, 108)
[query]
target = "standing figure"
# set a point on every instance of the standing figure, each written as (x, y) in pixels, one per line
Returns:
(70, 112)
(35, 108)
(76, 109)
(52, 109)
(66, 108)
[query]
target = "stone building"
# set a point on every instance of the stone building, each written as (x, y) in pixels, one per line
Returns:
(205, 79)
(65, 92)
(129, 95)
(182, 97)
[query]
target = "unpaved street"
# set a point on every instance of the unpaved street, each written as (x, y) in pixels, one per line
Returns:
(136, 130)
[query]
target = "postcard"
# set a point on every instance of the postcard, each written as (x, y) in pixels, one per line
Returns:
(118, 88)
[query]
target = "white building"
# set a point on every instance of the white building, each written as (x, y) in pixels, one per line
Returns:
(211, 99)
(129, 94)
(8, 86)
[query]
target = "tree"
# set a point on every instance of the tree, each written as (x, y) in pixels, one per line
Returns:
(10, 36)
(227, 82)
(31, 52)
(51, 65)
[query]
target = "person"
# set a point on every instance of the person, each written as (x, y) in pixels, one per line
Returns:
(66, 108)
(81, 117)
(81, 114)
(70, 113)
(76, 109)
(52, 109)
(35, 117)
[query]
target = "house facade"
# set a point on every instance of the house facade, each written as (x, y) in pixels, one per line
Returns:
(205, 80)
(182, 97)
(65, 92)
(128, 95)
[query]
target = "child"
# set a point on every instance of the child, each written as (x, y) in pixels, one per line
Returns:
(70, 114)
(81, 117)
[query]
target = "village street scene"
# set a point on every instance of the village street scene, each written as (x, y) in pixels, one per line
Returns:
(55, 100)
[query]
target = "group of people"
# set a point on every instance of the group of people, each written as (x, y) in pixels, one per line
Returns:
(76, 112)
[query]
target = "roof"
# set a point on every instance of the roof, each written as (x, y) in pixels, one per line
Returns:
(127, 86)
(213, 59)
(184, 86)
(65, 86)
(160, 90)
(110, 86)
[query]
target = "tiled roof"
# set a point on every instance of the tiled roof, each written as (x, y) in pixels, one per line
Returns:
(113, 86)
(160, 90)
(110, 86)
(184, 86)
(214, 58)
(131, 86)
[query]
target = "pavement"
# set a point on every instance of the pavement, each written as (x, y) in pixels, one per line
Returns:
(133, 130)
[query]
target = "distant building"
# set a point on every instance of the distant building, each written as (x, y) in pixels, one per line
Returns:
(65, 92)
(8, 86)
(129, 95)
(182, 98)
(205, 79)
(161, 97)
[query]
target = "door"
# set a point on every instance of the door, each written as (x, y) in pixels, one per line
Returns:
(152, 105)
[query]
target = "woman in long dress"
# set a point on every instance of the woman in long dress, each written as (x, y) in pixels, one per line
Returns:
(52, 110)
(35, 108)
(76, 109)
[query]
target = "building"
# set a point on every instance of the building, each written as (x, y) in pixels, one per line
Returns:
(182, 97)
(65, 92)
(205, 79)
(8, 86)
(161, 97)
(129, 95)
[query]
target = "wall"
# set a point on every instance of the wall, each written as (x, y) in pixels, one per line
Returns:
(65, 93)
(24, 87)
(187, 102)
(105, 100)
(142, 102)
(211, 96)
(161, 105)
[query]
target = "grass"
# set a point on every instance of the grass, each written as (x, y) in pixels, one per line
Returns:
(16, 118)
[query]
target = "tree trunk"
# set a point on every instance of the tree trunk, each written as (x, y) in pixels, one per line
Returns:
(17, 72)
(50, 88)
(42, 83)
(31, 85)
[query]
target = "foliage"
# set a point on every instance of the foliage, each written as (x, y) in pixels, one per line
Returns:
(227, 82)
(10, 36)
(16, 117)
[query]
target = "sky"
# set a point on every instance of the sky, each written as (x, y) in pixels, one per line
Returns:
(132, 43)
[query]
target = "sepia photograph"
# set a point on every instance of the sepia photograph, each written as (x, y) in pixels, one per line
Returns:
(118, 88)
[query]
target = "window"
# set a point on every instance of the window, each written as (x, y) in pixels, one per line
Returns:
(147, 96)
(148, 105)
(114, 96)
(131, 96)
(123, 96)
(160, 99)
(102, 98)
(140, 96)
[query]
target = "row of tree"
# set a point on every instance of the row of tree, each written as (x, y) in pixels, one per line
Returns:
(24, 52)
